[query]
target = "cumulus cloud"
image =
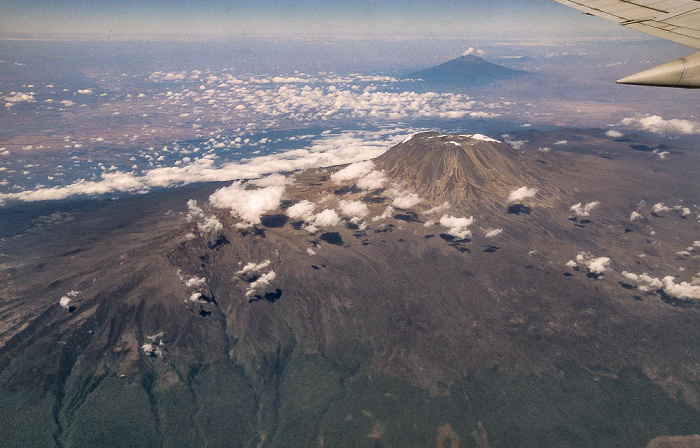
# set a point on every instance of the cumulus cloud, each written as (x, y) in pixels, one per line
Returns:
(659, 125)
(614, 134)
(682, 290)
(373, 180)
(388, 211)
(211, 226)
(195, 282)
(248, 205)
(474, 51)
(660, 207)
(439, 208)
(353, 208)
(647, 282)
(635, 215)
(253, 267)
(594, 265)
(667, 285)
(353, 171)
(326, 218)
(18, 97)
(194, 210)
(406, 200)
(457, 227)
(273, 180)
(522, 193)
(363, 173)
(261, 282)
(303, 209)
(348, 147)
(493, 233)
(516, 144)
(583, 211)
(66, 300)
(403, 198)
(85, 91)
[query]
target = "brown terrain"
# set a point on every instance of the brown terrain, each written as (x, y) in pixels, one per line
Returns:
(411, 329)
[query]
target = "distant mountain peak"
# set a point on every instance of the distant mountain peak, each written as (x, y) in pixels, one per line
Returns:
(466, 69)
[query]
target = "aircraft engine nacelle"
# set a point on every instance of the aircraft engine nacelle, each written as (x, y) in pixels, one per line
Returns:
(684, 72)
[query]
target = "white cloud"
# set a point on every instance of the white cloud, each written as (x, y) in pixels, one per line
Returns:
(373, 180)
(403, 198)
(85, 91)
(262, 281)
(353, 171)
(439, 208)
(194, 210)
(195, 282)
(406, 200)
(516, 144)
(388, 211)
(682, 290)
(614, 134)
(649, 281)
(492, 233)
(211, 226)
(327, 218)
(353, 208)
(253, 267)
(660, 207)
(595, 265)
(310, 251)
(303, 209)
(583, 211)
(18, 97)
(659, 125)
(561, 142)
(248, 205)
(66, 300)
(635, 215)
(522, 193)
(273, 180)
(472, 50)
(331, 150)
(457, 227)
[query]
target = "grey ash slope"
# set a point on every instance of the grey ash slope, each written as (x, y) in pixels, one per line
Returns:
(472, 171)
(466, 70)
(398, 334)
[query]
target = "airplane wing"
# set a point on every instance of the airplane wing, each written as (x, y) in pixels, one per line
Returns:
(674, 20)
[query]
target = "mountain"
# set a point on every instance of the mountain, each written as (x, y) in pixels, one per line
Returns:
(466, 70)
(464, 170)
(362, 310)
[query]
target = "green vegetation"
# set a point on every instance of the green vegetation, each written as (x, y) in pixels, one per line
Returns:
(308, 400)
(116, 414)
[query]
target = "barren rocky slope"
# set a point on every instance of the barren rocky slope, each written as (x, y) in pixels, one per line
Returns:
(446, 293)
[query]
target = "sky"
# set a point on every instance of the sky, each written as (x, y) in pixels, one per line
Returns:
(233, 18)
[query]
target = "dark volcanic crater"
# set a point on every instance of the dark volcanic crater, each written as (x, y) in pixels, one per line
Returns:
(378, 315)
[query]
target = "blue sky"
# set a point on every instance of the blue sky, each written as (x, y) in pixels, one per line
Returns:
(412, 18)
